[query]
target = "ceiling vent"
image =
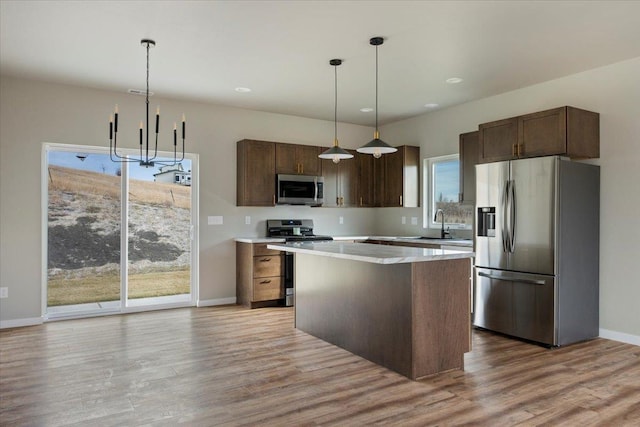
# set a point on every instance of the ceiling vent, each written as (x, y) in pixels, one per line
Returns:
(139, 92)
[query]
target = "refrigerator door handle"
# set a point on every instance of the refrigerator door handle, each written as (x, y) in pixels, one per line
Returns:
(505, 225)
(512, 230)
(511, 279)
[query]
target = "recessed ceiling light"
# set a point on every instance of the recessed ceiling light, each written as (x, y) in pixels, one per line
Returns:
(431, 105)
(454, 80)
(243, 89)
(366, 109)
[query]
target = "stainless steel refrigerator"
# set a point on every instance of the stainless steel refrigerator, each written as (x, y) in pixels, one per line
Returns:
(537, 249)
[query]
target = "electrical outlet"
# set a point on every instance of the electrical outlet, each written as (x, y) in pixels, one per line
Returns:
(4, 292)
(404, 220)
(214, 220)
(414, 220)
(341, 220)
(247, 220)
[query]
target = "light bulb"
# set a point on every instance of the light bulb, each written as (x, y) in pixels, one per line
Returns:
(336, 159)
(377, 154)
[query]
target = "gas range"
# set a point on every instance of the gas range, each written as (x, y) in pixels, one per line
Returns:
(294, 230)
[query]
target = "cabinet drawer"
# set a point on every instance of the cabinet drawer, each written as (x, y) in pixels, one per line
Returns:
(267, 288)
(267, 265)
(261, 249)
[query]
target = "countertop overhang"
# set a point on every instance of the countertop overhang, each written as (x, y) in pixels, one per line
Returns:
(377, 254)
(407, 239)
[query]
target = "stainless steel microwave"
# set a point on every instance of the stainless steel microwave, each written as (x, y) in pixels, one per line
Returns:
(299, 190)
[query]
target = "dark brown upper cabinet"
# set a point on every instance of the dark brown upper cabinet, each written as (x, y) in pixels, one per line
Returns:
(400, 178)
(564, 131)
(297, 159)
(469, 156)
(370, 178)
(340, 182)
(256, 173)
(364, 181)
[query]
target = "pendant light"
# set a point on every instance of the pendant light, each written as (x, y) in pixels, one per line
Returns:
(335, 153)
(145, 160)
(376, 146)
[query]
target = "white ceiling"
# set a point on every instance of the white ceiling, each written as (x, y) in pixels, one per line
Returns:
(281, 49)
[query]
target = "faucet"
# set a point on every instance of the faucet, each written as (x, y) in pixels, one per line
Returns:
(443, 234)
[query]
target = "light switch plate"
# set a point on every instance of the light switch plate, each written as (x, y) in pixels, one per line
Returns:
(404, 219)
(247, 220)
(414, 220)
(341, 220)
(4, 292)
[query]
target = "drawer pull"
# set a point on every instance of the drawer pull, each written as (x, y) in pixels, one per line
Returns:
(264, 282)
(265, 260)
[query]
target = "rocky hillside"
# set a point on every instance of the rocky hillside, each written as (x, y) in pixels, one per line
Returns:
(84, 224)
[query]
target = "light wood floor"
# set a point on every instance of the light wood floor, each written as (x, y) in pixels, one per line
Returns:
(233, 366)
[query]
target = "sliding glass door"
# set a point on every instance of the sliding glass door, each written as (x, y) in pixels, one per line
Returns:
(159, 234)
(118, 236)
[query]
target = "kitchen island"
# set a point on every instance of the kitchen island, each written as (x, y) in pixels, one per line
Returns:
(405, 308)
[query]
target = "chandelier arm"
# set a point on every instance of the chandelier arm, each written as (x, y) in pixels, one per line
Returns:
(155, 151)
(114, 151)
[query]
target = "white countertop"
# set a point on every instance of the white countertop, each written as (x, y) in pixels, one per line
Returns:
(377, 254)
(259, 240)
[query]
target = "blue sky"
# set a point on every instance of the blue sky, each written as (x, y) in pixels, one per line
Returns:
(101, 163)
(447, 183)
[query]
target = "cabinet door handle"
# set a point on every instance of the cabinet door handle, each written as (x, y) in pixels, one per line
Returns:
(265, 260)
(360, 201)
(274, 200)
(264, 282)
(513, 150)
(400, 200)
(341, 201)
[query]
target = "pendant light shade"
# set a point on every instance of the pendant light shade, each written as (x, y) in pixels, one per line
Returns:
(335, 153)
(376, 146)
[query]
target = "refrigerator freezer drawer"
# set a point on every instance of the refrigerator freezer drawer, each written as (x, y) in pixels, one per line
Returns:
(517, 304)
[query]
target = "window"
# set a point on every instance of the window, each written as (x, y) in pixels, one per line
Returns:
(442, 188)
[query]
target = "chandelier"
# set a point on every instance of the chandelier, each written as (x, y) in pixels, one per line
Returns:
(147, 159)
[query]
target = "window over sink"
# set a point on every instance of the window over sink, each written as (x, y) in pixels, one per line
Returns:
(441, 190)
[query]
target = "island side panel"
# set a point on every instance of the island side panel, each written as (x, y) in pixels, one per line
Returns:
(362, 307)
(441, 315)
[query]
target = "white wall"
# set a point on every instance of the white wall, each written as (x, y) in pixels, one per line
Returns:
(612, 91)
(35, 112)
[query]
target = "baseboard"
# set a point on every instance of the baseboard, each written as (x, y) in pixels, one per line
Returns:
(218, 301)
(18, 323)
(620, 336)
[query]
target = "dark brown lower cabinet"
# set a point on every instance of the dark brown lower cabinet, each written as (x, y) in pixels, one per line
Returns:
(259, 275)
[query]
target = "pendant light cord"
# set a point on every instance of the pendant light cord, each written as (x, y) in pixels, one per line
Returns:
(376, 89)
(335, 109)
